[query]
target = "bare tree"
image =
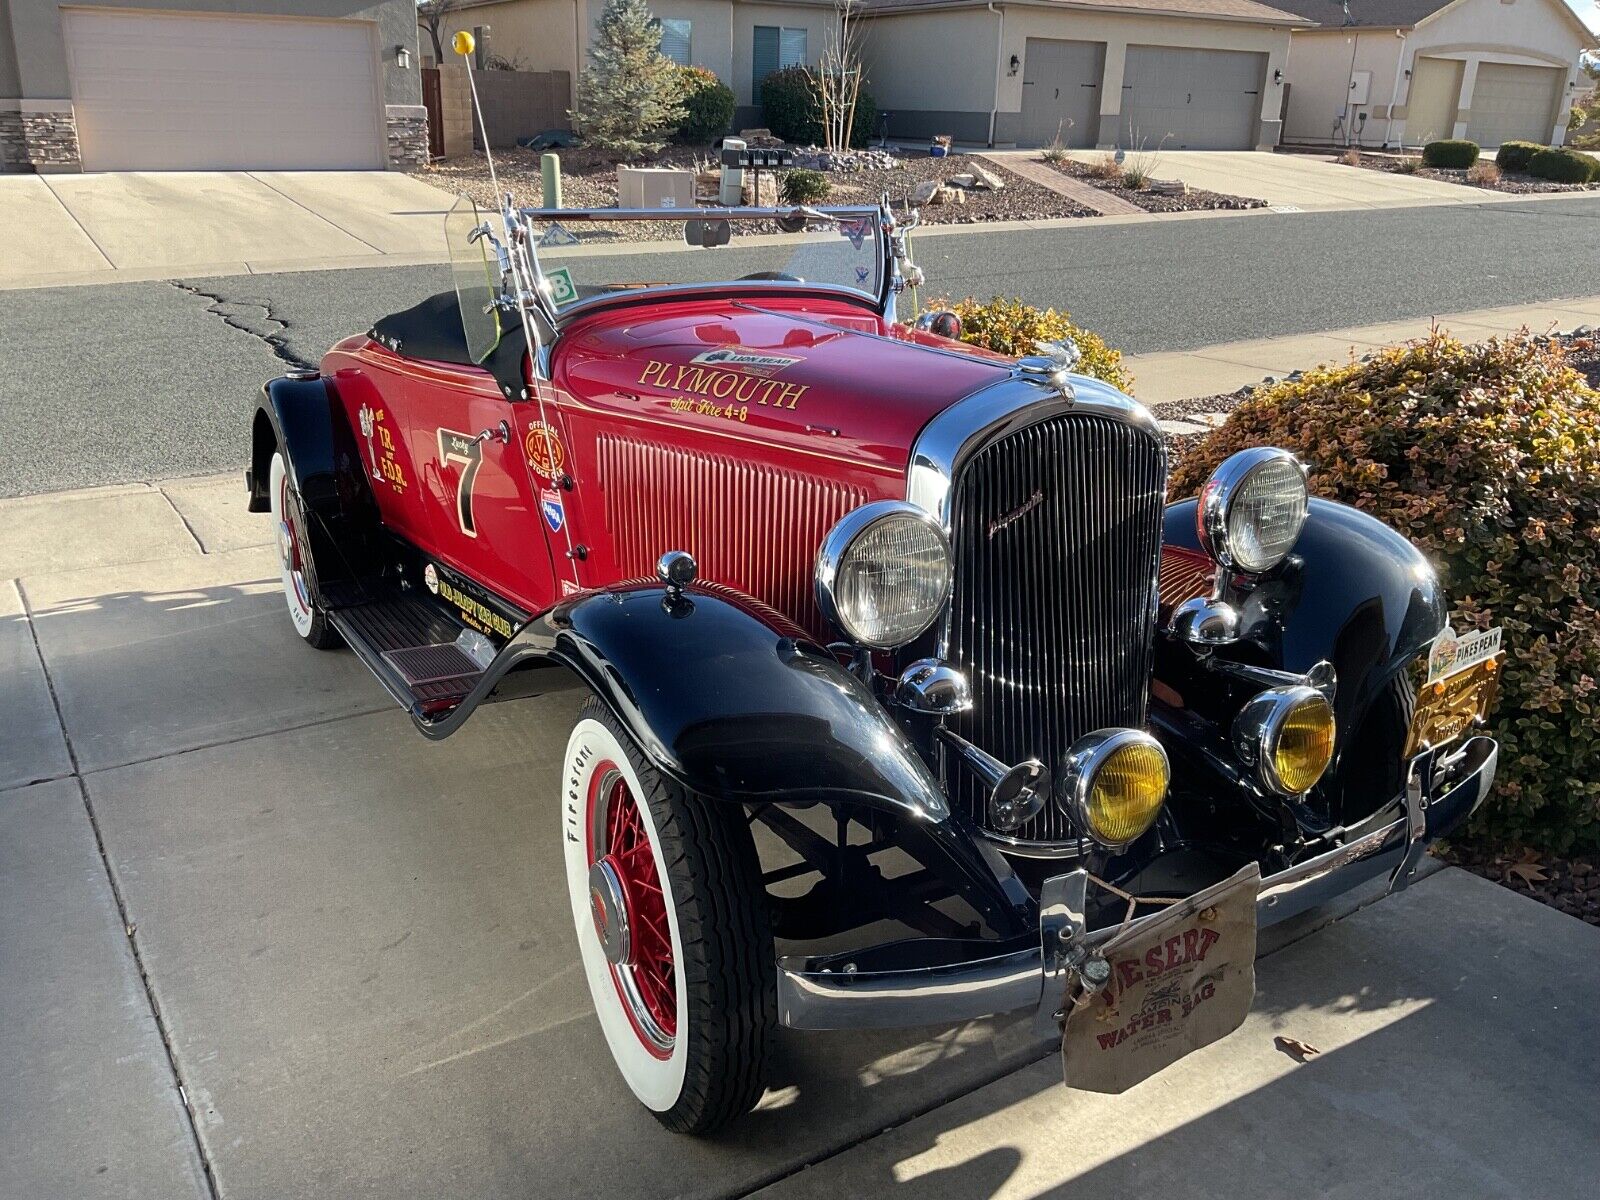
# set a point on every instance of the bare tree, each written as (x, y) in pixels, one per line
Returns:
(433, 14)
(838, 77)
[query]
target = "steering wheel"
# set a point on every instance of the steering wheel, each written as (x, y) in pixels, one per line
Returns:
(781, 275)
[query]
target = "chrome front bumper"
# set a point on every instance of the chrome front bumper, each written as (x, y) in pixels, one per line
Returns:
(1442, 791)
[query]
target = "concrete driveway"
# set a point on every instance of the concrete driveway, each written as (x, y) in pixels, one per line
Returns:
(1305, 181)
(259, 939)
(144, 225)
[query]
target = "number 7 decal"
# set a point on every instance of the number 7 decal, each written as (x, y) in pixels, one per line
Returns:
(467, 450)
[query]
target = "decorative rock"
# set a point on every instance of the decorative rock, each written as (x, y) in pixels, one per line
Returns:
(987, 180)
(1180, 428)
(969, 180)
(1583, 331)
(760, 137)
(1212, 419)
(1168, 187)
(927, 192)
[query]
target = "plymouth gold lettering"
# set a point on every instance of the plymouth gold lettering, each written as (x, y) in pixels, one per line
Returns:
(738, 386)
(652, 372)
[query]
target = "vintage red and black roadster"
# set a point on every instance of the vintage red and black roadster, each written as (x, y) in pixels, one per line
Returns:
(903, 674)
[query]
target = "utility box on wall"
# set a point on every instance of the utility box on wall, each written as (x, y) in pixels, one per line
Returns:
(655, 187)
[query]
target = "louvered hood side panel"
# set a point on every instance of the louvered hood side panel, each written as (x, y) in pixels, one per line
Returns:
(752, 527)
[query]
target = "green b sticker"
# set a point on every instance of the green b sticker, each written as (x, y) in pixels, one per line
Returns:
(562, 289)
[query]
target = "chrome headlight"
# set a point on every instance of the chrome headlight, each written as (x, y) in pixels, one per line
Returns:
(1252, 509)
(1113, 783)
(1287, 735)
(883, 574)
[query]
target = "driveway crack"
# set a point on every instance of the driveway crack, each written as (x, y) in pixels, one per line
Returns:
(232, 314)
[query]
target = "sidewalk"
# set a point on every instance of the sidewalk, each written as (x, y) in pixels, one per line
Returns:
(1212, 370)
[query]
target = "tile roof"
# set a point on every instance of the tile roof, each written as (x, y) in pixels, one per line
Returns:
(1392, 14)
(1235, 10)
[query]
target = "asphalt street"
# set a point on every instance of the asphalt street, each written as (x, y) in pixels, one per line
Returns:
(107, 384)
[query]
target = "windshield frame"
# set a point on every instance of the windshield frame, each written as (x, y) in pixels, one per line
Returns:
(884, 223)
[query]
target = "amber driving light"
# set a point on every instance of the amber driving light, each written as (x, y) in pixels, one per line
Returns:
(1113, 783)
(1287, 735)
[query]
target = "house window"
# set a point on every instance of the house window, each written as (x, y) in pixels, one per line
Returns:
(675, 40)
(776, 48)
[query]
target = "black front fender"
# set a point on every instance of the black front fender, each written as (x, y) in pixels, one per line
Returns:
(733, 703)
(1354, 592)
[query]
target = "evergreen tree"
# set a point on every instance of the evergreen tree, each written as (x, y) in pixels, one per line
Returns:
(630, 95)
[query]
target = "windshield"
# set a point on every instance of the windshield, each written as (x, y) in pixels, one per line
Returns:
(585, 255)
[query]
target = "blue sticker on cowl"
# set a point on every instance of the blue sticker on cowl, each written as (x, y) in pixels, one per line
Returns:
(554, 515)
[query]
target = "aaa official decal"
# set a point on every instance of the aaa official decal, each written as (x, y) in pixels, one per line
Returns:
(729, 388)
(550, 508)
(546, 455)
(751, 362)
(380, 447)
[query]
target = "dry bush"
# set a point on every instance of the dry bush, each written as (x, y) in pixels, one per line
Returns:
(1351, 157)
(1483, 173)
(1105, 166)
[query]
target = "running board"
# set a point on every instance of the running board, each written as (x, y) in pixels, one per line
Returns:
(421, 654)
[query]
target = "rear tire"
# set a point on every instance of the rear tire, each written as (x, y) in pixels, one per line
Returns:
(689, 1017)
(294, 565)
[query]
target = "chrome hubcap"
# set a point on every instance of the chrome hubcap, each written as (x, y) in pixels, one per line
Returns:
(608, 905)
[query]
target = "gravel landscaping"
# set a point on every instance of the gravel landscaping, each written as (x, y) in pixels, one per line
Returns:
(589, 180)
(1190, 200)
(1509, 181)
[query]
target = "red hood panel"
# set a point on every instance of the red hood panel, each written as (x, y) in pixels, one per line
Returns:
(811, 375)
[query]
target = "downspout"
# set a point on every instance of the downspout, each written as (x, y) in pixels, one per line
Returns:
(999, 66)
(1394, 92)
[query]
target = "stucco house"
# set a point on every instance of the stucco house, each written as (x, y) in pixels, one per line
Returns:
(740, 40)
(184, 85)
(1404, 72)
(1181, 74)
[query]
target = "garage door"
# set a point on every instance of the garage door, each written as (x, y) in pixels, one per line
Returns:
(1061, 92)
(1514, 103)
(1191, 99)
(1432, 102)
(159, 92)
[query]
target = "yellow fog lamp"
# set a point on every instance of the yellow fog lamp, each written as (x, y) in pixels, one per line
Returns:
(1286, 734)
(1113, 784)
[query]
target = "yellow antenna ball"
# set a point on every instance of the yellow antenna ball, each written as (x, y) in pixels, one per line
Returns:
(463, 43)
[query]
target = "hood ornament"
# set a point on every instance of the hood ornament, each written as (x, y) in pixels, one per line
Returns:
(1052, 366)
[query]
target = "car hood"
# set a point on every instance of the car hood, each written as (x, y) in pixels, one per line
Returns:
(789, 371)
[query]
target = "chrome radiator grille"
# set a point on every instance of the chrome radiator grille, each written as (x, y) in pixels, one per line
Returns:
(1056, 531)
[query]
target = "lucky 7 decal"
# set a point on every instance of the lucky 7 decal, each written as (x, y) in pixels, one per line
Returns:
(466, 451)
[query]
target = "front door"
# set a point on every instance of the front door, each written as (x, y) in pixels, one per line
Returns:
(485, 518)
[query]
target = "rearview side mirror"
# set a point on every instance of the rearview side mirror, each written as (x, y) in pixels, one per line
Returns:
(707, 234)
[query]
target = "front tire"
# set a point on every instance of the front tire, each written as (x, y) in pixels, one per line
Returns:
(288, 525)
(671, 919)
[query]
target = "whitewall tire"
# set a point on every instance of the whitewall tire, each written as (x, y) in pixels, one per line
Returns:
(288, 528)
(672, 927)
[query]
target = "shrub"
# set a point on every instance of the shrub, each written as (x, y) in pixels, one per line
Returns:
(803, 186)
(1406, 166)
(1105, 166)
(1055, 154)
(630, 94)
(1454, 153)
(1488, 458)
(1351, 157)
(1483, 174)
(1514, 156)
(707, 105)
(791, 109)
(1008, 326)
(1561, 165)
(1577, 117)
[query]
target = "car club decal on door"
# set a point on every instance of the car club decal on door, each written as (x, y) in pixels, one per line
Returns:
(380, 447)
(466, 450)
(546, 454)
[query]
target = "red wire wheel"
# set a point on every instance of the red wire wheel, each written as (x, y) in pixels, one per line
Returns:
(642, 963)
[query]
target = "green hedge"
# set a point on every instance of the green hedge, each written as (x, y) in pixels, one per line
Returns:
(1515, 156)
(1455, 153)
(707, 106)
(1487, 457)
(790, 108)
(1561, 165)
(804, 186)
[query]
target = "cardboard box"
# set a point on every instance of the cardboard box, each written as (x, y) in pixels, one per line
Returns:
(655, 187)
